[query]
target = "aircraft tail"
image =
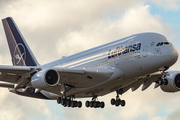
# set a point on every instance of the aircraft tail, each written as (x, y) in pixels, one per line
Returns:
(20, 52)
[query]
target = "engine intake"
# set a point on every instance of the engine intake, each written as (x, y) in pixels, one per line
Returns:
(51, 77)
(173, 85)
(177, 81)
(45, 78)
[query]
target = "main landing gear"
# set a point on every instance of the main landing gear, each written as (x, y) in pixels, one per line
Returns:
(69, 102)
(118, 101)
(94, 103)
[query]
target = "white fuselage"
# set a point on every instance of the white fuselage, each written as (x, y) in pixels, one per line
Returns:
(129, 58)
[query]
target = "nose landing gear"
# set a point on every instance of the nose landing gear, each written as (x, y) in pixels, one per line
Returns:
(162, 80)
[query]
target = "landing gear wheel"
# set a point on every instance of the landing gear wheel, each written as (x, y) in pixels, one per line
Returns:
(117, 103)
(123, 103)
(72, 104)
(59, 100)
(113, 101)
(160, 82)
(63, 101)
(91, 104)
(102, 104)
(87, 103)
(65, 105)
(79, 104)
(75, 103)
(165, 82)
(98, 104)
(68, 103)
(95, 104)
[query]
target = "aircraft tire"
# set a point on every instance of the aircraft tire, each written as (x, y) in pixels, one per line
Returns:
(160, 82)
(113, 101)
(102, 104)
(123, 103)
(165, 82)
(117, 103)
(95, 104)
(87, 103)
(91, 104)
(79, 104)
(75, 103)
(59, 100)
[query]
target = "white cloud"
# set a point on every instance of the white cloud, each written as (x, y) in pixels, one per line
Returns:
(17, 107)
(158, 118)
(134, 20)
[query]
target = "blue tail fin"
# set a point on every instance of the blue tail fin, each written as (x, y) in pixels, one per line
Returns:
(20, 51)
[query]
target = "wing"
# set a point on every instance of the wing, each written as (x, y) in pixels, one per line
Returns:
(12, 73)
(20, 76)
(84, 77)
(26, 65)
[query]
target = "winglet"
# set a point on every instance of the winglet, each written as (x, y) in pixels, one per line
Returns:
(20, 52)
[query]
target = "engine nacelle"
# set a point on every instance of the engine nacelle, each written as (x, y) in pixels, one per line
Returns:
(45, 78)
(173, 78)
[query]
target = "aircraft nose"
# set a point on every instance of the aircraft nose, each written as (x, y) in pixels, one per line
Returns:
(172, 55)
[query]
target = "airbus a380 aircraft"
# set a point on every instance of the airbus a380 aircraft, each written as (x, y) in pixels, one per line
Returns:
(124, 64)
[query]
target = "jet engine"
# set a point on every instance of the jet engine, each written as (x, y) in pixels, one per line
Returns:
(45, 78)
(173, 78)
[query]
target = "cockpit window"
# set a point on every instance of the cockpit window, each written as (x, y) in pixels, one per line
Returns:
(158, 44)
(166, 43)
(161, 43)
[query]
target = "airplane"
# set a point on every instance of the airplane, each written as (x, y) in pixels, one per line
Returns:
(127, 63)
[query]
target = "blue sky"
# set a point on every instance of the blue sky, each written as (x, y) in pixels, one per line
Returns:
(169, 16)
(60, 28)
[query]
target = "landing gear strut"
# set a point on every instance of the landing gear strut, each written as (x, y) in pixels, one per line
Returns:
(94, 103)
(118, 101)
(162, 80)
